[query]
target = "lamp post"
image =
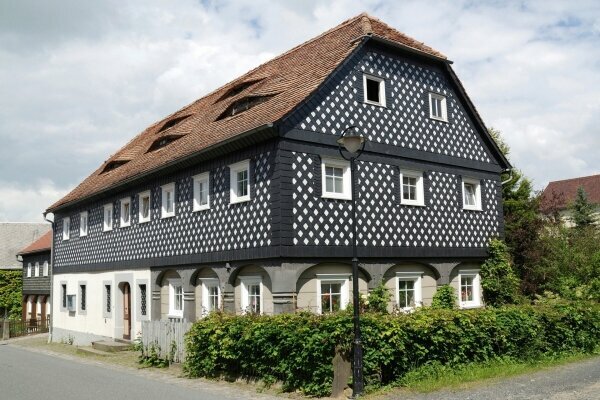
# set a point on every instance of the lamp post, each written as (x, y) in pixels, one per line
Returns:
(354, 144)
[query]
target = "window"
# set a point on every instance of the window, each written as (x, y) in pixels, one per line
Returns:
(36, 269)
(412, 192)
(471, 189)
(83, 223)
(125, 212)
(211, 295)
(239, 182)
(143, 300)
(172, 122)
(408, 290)
(107, 305)
(71, 302)
(374, 89)
(175, 298)
(40, 268)
(252, 295)
(335, 179)
(201, 192)
(108, 217)
(82, 297)
(63, 294)
(437, 107)
(29, 267)
(66, 228)
(243, 104)
(168, 201)
(45, 268)
(468, 295)
(332, 292)
(144, 207)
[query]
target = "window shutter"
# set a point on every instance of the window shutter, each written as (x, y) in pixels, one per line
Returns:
(389, 99)
(398, 185)
(317, 175)
(252, 177)
(460, 191)
(426, 192)
(482, 192)
(227, 183)
(360, 89)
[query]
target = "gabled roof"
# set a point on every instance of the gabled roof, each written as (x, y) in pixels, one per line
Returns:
(44, 243)
(562, 193)
(274, 89)
(16, 235)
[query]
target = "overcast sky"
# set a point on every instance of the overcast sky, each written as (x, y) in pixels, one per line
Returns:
(78, 79)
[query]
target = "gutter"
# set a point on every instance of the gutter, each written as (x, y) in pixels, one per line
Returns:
(510, 176)
(169, 164)
(51, 275)
(400, 46)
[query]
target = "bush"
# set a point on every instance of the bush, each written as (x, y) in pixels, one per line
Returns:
(297, 349)
(498, 279)
(444, 298)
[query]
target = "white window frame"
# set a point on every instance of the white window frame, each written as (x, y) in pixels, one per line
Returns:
(443, 105)
(122, 222)
(477, 184)
(168, 188)
(420, 200)
(29, 267)
(173, 313)
(36, 271)
(245, 281)
(476, 302)
(83, 216)
(417, 278)
(45, 271)
(381, 82)
(233, 171)
(107, 224)
(66, 234)
(204, 177)
(346, 179)
(141, 218)
(344, 279)
(208, 283)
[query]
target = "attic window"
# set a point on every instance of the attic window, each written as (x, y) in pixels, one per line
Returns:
(172, 122)
(162, 142)
(239, 88)
(242, 105)
(113, 165)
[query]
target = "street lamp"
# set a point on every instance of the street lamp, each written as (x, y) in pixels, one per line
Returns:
(354, 144)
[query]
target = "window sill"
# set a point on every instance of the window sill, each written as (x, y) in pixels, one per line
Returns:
(372, 103)
(143, 221)
(106, 230)
(125, 226)
(240, 200)
(439, 119)
(337, 196)
(83, 235)
(167, 216)
(416, 204)
(202, 208)
(469, 305)
(175, 316)
(472, 208)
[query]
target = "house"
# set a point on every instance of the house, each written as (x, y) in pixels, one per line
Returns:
(559, 195)
(240, 200)
(13, 237)
(36, 279)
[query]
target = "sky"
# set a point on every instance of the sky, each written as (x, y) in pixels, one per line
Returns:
(79, 79)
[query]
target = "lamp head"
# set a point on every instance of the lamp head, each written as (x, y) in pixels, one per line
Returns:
(352, 142)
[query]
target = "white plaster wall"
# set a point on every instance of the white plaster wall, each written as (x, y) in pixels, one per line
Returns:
(82, 326)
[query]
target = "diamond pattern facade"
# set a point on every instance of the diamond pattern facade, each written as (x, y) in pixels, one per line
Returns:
(382, 220)
(405, 121)
(222, 227)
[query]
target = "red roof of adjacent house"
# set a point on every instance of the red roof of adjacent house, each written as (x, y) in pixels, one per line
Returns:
(44, 243)
(560, 194)
(284, 81)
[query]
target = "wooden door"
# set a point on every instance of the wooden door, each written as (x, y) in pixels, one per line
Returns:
(126, 311)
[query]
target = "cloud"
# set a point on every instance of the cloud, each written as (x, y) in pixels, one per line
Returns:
(79, 80)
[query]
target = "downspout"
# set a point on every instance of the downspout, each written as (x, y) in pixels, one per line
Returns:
(510, 176)
(51, 274)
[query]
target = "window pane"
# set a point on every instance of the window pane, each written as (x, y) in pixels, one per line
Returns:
(466, 288)
(409, 188)
(126, 212)
(178, 294)
(169, 201)
(145, 206)
(331, 297)
(406, 293)
(143, 299)
(373, 90)
(469, 194)
(202, 193)
(242, 183)
(334, 179)
(254, 298)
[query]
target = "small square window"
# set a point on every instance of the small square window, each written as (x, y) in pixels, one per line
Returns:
(411, 184)
(471, 189)
(108, 217)
(240, 182)
(83, 223)
(201, 192)
(374, 89)
(437, 107)
(125, 212)
(168, 201)
(335, 179)
(144, 207)
(66, 228)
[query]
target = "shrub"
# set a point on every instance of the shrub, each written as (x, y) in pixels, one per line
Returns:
(378, 299)
(498, 279)
(297, 349)
(444, 298)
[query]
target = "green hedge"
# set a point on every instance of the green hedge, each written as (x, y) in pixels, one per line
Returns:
(297, 349)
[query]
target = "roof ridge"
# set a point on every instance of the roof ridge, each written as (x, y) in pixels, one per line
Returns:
(574, 179)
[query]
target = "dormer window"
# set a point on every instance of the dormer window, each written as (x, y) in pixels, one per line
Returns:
(437, 107)
(239, 88)
(112, 165)
(172, 122)
(162, 142)
(242, 105)
(374, 89)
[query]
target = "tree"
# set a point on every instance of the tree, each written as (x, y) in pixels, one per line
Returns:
(581, 209)
(498, 279)
(11, 287)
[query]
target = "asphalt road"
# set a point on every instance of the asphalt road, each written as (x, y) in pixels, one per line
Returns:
(27, 375)
(577, 381)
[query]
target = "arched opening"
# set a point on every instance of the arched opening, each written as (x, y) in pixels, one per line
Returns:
(208, 292)
(410, 285)
(466, 281)
(252, 290)
(171, 295)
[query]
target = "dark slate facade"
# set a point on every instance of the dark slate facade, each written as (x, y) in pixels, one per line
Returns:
(36, 285)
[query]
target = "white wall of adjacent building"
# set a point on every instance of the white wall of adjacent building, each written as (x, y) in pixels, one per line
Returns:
(96, 322)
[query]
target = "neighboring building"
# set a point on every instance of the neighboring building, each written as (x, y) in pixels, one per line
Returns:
(560, 195)
(240, 200)
(36, 279)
